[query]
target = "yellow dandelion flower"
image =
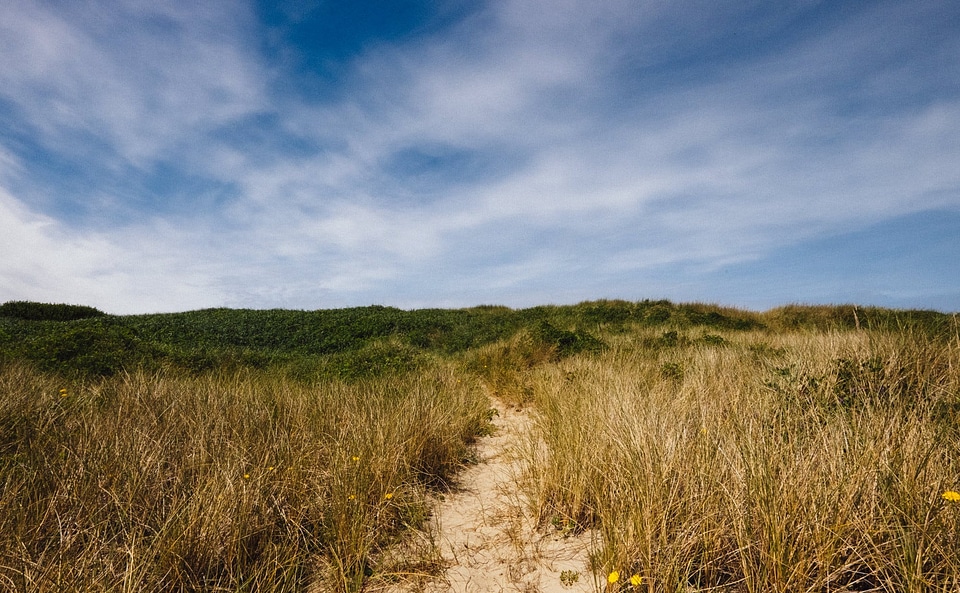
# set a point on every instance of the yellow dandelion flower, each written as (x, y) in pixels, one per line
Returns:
(613, 577)
(356, 458)
(246, 476)
(351, 497)
(952, 495)
(270, 469)
(388, 495)
(635, 580)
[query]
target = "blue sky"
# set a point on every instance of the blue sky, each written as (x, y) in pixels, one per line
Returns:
(167, 156)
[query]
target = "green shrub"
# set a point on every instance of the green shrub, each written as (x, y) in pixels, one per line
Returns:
(96, 349)
(375, 360)
(659, 312)
(713, 340)
(31, 311)
(566, 343)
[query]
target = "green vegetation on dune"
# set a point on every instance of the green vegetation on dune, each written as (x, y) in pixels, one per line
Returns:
(47, 312)
(370, 340)
(326, 342)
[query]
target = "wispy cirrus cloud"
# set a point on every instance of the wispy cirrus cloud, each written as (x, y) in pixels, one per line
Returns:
(518, 153)
(137, 80)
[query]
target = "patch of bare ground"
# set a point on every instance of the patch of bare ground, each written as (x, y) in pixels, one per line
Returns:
(483, 537)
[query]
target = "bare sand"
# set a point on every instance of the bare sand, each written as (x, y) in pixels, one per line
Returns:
(483, 535)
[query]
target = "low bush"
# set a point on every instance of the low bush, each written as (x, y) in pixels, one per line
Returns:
(31, 311)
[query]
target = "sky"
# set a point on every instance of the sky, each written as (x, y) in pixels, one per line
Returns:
(315, 154)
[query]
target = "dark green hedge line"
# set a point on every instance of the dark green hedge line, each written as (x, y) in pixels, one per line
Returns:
(31, 311)
(355, 342)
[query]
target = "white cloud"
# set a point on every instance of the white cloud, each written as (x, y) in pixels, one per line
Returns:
(603, 177)
(708, 173)
(144, 269)
(137, 80)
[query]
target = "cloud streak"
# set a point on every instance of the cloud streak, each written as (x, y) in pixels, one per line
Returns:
(520, 154)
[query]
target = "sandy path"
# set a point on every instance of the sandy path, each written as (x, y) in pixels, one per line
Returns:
(486, 537)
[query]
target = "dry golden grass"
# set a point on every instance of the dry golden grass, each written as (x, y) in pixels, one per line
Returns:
(168, 483)
(812, 460)
(797, 462)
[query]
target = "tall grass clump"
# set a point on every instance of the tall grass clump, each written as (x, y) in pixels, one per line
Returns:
(239, 482)
(758, 462)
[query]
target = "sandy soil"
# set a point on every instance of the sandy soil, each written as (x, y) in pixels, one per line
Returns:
(485, 537)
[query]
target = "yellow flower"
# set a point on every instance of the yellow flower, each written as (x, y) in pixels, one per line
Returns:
(635, 580)
(388, 495)
(246, 476)
(270, 469)
(613, 577)
(356, 458)
(352, 497)
(63, 393)
(952, 495)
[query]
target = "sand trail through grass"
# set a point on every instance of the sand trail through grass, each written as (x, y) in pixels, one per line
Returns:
(486, 534)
